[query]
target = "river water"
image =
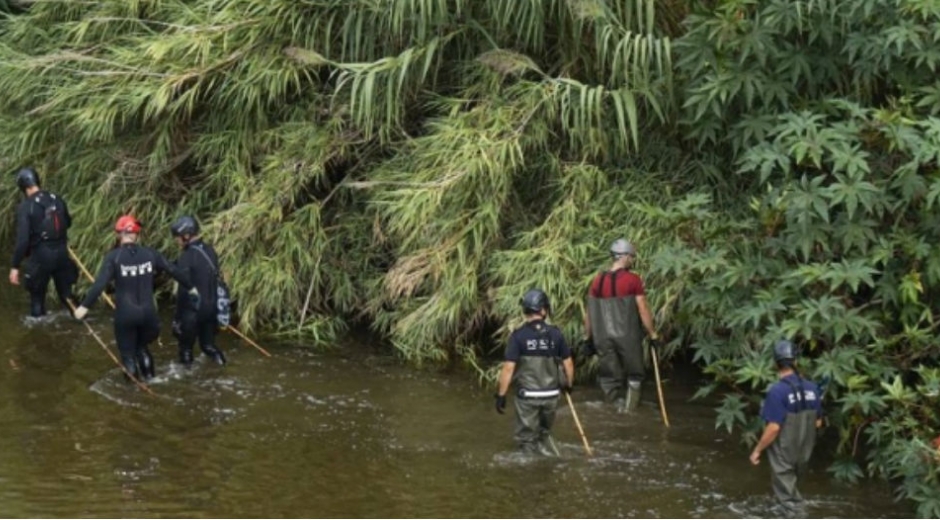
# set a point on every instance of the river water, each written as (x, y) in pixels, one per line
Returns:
(347, 433)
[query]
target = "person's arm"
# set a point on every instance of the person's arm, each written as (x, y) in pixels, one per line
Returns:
(568, 364)
(647, 317)
(105, 275)
(766, 439)
(65, 212)
(587, 314)
(22, 239)
(567, 359)
(505, 377)
(178, 274)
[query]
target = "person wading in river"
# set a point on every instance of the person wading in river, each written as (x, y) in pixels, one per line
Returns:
(792, 411)
(615, 322)
(535, 350)
(132, 267)
(200, 263)
(42, 222)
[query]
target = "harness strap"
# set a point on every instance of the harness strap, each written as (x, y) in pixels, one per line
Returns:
(799, 391)
(206, 256)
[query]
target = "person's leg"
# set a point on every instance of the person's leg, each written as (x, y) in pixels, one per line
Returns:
(527, 425)
(206, 329)
(547, 408)
(126, 336)
(631, 355)
(148, 332)
(610, 372)
(64, 277)
(185, 329)
(783, 477)
(37, 282)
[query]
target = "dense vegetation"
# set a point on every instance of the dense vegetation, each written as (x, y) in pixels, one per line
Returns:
(417, 164)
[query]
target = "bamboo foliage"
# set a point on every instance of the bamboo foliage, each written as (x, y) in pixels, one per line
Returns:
(367, 154)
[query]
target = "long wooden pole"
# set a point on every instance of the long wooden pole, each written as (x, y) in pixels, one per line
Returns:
(659, 386)
(587, 447)
(114, 358)
(246, 338)
(111, 303)
(89, 275)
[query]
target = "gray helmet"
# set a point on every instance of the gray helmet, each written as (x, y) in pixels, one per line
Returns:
(26, 178)
(534, 301)
(784, 352)
(184, 225)
(622, 247)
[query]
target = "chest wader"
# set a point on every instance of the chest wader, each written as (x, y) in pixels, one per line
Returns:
(618, 337)
(537, 381)
(790, 452)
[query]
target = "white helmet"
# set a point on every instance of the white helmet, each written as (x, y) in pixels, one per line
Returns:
(621, 247)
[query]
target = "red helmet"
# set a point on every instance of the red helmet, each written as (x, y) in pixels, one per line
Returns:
(127, 224)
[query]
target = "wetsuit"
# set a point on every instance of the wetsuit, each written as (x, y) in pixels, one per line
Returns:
(618, 333)
(136, 324)
(795, 404)
(537, 349)
(42, 222)
(199, 263)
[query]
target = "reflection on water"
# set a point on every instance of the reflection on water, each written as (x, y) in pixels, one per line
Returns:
(343, 434)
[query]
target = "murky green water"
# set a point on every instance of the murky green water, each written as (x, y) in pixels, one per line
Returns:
(344, 434)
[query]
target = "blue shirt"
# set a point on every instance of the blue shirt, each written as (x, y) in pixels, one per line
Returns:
(536, 338)
(782, 399)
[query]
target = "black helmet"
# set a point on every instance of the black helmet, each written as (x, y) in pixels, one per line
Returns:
(26, 178)
(784, 352)
(184, 225)
(534, 301)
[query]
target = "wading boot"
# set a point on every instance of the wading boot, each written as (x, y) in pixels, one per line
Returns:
(145, 361)
(130, 367)
(186, 357)
(529, 448)
(620, 405)
(633, 396)
(547, 447)
(215, 354)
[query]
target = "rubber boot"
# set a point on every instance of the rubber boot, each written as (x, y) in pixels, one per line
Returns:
(633, 396)
(529, 448)
(37, 307)
(186, 357)
(215, 354)
(130, 367)
(145, 361)
(547, 446)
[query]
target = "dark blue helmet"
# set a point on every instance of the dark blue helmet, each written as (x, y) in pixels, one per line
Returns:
(26, 178)
(534, 301)
(184, 225)
(784, 352)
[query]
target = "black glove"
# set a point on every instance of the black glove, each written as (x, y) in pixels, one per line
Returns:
(500, 403)
(654, 343)
(567, 389)
(587, 347)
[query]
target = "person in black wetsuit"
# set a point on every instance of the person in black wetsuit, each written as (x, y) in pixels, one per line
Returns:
(42, 222)
(132, 267)
(200, 263)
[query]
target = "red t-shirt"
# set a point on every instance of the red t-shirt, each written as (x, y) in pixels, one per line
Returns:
(616, 284)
